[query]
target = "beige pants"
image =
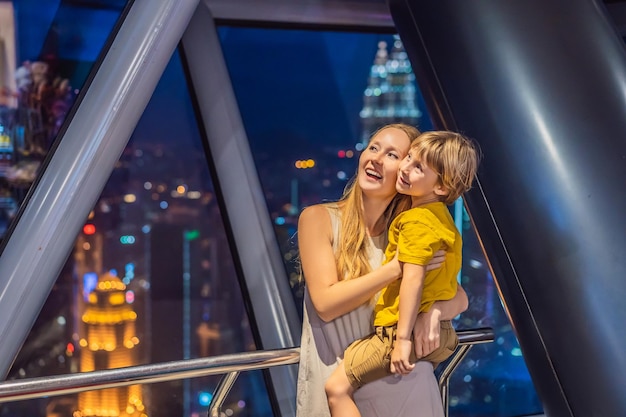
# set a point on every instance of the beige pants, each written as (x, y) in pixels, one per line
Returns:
(369, 359)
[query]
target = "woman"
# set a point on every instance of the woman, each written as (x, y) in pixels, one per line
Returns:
(341, 249)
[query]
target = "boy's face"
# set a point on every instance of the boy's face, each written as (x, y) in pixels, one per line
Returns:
(418, 180)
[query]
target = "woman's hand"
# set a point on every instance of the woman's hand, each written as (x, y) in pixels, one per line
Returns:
(438, 258)
(426, 332)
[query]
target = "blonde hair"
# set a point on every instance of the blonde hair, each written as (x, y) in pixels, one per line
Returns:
(353, 244)
(452, 156)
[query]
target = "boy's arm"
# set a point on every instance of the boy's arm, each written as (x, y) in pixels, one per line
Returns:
(410, 299)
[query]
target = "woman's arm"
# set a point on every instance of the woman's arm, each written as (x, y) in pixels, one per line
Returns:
(331, 297)
(426, 330)
(449, 309)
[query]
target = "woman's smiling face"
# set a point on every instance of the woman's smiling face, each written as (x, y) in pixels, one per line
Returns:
(379, 162)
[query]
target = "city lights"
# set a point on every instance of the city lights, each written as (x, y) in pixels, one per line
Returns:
(192, 234)
(89, 229)
(304, 164)
(127, 239)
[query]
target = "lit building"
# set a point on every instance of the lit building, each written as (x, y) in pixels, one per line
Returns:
(109, 342)
(390, 95)
(87, 266)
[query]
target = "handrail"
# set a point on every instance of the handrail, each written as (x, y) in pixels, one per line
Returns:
(159, 372)
(467, 339)
(475, 336)
(230, 364)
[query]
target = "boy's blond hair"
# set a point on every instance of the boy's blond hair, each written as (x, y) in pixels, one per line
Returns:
(452, 156)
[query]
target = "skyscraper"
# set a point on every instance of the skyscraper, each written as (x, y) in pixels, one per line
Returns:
(390, 95)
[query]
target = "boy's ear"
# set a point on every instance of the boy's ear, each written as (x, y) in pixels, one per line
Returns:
(440, 190)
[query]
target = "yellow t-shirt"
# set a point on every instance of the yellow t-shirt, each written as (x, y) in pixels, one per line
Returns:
(416, 235)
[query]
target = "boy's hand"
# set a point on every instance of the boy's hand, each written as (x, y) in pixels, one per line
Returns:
(400, 357)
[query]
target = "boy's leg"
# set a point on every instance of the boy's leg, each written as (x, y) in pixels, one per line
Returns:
(365, 360)
(339, 393)
(369, 359)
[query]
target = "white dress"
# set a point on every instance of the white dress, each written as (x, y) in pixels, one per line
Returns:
(322, 347)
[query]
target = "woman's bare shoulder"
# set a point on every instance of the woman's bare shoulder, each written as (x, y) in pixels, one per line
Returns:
(315, 223)
(315, 214)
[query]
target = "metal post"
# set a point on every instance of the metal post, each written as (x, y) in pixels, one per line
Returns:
(221, 392)
(444, 378)
(263, 270)
(541, 86)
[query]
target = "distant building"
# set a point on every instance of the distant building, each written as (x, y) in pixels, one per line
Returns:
(390, 95)
(109, 342)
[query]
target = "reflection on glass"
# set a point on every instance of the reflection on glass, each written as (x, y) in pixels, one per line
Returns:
(47, 49)
(317, 96)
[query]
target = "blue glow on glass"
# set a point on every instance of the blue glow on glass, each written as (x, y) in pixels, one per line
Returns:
(204, 398)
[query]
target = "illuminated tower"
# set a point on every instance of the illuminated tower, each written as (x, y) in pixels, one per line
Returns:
(390, 95)
(87, 267)
(109, 342)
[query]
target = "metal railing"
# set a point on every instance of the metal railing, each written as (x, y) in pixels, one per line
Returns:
(229, 365)
(160, 372)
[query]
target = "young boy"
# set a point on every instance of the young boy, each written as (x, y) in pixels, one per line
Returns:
(438, 169)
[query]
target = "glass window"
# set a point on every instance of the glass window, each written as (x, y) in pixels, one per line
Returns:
(309, 100)
(151, 277)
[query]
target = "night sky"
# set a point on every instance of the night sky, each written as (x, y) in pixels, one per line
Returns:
(308, 80)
